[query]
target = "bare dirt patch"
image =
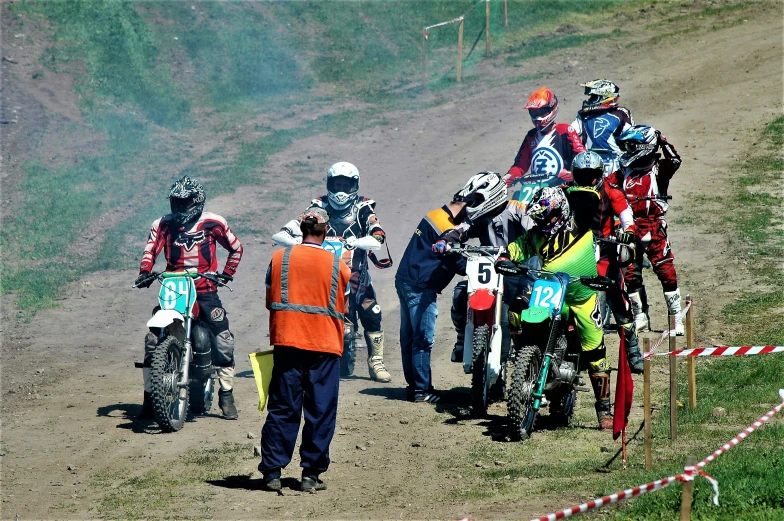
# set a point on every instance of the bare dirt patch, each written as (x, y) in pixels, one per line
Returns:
(69, 387)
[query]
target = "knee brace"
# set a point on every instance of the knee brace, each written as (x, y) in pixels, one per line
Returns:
(223, 354)
(202, 351)
(460, 305)
(150, 343)
(370, 316)
(596, 359)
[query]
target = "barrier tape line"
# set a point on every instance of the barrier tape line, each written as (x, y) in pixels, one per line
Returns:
(688, 474)
(725, 351)
(454, 20)
(666, 332)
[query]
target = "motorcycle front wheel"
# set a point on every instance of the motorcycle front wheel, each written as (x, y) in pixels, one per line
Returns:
(481, 349)
(170, 403)
(525, 375)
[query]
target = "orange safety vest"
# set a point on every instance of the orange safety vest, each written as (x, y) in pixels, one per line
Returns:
(308, 288)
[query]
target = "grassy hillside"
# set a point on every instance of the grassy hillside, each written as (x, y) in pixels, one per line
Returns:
(156, 81)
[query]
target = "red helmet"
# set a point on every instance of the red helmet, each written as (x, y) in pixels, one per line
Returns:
(542, 106)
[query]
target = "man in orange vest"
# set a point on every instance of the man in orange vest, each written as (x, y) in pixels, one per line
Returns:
(307, 295)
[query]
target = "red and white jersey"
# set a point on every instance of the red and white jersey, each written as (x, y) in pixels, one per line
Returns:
(641, 188)
(562, 139)
(193, 248)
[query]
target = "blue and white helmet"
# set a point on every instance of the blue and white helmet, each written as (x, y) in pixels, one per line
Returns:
(638, 142)
(342, 184)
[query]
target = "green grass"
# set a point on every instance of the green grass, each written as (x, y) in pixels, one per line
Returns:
(160, 492)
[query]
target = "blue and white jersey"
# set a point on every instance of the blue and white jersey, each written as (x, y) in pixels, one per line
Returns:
(598, 129)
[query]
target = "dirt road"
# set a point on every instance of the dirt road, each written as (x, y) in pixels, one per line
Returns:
(71, 450)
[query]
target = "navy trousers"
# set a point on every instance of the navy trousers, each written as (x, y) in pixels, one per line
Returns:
(301, 381)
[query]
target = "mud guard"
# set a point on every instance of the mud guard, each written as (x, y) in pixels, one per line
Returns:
(164, 317)
(535, 315)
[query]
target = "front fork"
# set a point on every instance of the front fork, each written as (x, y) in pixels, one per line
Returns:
(538, 392)
(187, 359)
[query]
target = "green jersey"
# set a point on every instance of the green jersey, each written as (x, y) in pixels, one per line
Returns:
(570, 251)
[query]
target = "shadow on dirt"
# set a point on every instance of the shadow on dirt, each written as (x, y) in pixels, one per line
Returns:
(244, 374)
(390, 393)
(244, 482)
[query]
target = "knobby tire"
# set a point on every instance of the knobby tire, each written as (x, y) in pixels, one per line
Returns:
(528, 363)
(479, 391)
(166, 370)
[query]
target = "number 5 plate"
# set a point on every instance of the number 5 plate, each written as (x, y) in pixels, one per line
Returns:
(481, 274)
(547, 294)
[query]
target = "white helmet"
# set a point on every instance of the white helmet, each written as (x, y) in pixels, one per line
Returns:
(483, 193)
(338, 172)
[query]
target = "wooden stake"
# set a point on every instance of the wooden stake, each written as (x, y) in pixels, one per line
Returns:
(424, 60)
(506, 17)
(460, 51)
(487, 27)
(690, 362)
(646, 393)
(688, 489)
(673, 383)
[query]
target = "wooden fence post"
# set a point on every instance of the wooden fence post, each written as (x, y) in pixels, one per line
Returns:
(506, 17)
(487, 27)
(673, 383)
(686, 495)
(424, 60)
(690, 362)
(646, 393)
(460, 51)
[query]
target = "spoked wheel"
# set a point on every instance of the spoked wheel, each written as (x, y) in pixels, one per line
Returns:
(522, 415)
(479, 390)
(349, 357)
(169, 401)
(562, 406)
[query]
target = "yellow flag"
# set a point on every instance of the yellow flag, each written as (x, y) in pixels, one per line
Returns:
(261, 363)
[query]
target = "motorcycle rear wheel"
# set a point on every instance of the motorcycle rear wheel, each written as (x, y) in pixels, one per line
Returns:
(562, 406)
(528, 363)
(169, 404)
(349, 358)
(481, 349)
(202, 392)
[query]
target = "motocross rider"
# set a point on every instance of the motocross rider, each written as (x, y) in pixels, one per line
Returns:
(354, 216)
(563, 247)
(645, 177)
(495, 221)
(188, 236)
(549, 147)
(601, 120)
(595, 204)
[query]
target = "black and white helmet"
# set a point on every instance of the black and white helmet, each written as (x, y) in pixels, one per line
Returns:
(186, 199)
(483, 193)
(342, 184)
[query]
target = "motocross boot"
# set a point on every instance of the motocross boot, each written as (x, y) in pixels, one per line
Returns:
(457, 352)
(640, 319)
(633, 355)
(147, 412)
(673, 299)
(375, 343)
(600, 381)
(225, 395)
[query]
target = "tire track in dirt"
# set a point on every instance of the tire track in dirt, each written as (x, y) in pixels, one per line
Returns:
(409, 171)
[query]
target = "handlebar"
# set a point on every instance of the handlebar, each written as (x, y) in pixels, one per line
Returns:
(458, 248)
(610, 240)
(192, 274)
(650, 198)
(597, 283)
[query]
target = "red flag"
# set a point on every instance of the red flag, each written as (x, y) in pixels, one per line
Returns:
(624, 391)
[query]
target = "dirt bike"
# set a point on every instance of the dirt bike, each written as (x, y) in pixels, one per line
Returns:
(530, 183)
(344, 248)
(483, 335)
(181, 366)
(625, 257)
(546, 354)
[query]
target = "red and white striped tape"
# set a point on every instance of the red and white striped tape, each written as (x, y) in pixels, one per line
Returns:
(725, 351)
(688, 475)
(667, 332)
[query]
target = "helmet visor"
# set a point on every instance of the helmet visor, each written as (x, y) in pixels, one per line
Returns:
(182, 206)
(342, 184)
(586, 176)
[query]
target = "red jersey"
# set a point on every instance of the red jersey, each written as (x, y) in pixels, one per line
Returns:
(193, 248)
(562, 138)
